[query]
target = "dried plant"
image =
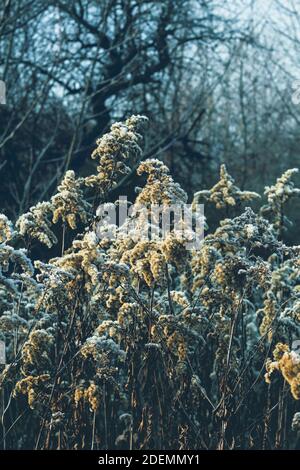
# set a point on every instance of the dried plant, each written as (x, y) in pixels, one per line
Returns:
(130, 343)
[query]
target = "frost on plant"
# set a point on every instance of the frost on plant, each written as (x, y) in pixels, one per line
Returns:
(114, 151)
(36, 224)
(278, 195)
(225, 192)
(69, 203)
(130, 342)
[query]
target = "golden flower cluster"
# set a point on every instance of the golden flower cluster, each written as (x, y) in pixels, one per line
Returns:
(278, 195)
(7, 231)
(114, 151)
(288, 363)
(225, 192)
(160, 187)
(92, 394)
(36, 350)
(69, 203)
(82, 260)
(141, 341)
(32, 387)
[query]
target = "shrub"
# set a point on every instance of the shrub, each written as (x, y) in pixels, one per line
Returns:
(130, 343)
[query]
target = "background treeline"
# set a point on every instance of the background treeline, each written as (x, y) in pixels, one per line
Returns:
(215, 79)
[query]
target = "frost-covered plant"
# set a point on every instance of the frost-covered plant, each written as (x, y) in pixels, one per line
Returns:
(225, 193)
(69, 203)
(278, 195)
(136, 343)
(114, 152)
(7, 231)
(36, 224)
(288, 363)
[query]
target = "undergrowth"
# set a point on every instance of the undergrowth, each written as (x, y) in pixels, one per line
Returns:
(130, 343)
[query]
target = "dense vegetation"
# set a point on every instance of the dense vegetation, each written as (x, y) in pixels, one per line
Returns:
(134, 344)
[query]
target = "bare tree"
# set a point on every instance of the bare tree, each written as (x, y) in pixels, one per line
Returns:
(72, 68)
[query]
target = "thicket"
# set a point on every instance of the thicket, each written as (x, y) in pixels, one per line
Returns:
(130, 343)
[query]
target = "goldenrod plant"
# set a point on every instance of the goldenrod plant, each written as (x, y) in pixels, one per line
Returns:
(125, 342)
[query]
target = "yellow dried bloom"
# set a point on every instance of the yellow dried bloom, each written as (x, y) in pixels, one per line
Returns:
(179, 298)
(269, 311)
(6, 229)
(83, 260)
(35, 352)
(278, 194)
(175, 251)
(93, 395)
(127, 314)
(160, 189)
(69, 203)
(78, 394)
(145, 260)
(288, 363)
(32, 387)
(114, 150)
(225, 193)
